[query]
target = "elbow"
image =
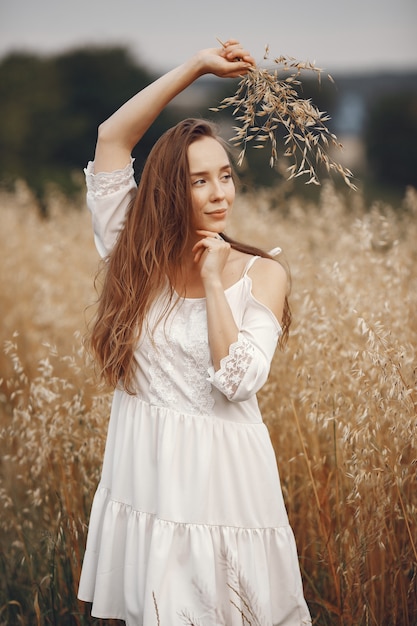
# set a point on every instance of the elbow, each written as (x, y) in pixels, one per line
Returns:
(249, 386)
(238, 397)
(105, 133)
(245, 394)
(116, 141)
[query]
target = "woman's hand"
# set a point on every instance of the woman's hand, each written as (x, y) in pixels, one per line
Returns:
(210, 254)
(230, 61)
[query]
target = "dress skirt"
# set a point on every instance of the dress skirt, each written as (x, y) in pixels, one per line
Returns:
(188, 523)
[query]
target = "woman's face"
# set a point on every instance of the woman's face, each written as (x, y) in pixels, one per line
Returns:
(212, 186)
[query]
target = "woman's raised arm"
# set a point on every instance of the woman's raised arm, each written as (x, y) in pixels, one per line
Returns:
(119, 134)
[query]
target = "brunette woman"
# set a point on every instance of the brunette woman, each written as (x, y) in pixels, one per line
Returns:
(188, 521)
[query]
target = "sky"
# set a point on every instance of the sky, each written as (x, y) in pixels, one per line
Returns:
(340, 36)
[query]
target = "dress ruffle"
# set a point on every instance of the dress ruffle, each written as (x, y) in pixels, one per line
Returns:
(189, 514)
(138, 559)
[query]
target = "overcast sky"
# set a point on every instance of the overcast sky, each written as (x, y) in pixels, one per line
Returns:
(341, 36)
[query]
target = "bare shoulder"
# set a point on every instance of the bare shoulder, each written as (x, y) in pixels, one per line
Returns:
(269, 284)
(236, 265)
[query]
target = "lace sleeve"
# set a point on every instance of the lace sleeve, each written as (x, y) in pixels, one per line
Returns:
(244, 370)
(233, 367)
(106, 183)
(109, 195)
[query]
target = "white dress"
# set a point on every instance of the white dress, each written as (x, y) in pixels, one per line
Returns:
(188, 524)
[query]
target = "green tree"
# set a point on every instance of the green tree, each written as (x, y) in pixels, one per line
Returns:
(50, 110)
(24, 108)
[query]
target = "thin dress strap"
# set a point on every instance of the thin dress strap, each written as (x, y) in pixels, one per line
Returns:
(249, 264)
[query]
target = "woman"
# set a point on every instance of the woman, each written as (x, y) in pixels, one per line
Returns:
(188, 522)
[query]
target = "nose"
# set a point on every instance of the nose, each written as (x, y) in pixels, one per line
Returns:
(217, 191)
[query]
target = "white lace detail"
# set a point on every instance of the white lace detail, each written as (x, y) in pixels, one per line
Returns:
(105, 183)
(182, 339)
(234, 366)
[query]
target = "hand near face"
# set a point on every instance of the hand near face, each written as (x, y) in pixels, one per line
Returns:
(211, 253)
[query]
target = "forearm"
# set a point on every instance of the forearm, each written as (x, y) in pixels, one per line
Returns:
(129, 123)
(222, 328)
(119, 134)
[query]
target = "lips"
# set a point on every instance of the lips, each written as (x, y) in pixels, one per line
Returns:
(218, 212)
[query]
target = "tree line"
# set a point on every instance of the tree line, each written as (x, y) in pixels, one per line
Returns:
(50, 108)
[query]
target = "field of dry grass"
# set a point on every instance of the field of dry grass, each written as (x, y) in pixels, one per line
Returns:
(340, 403)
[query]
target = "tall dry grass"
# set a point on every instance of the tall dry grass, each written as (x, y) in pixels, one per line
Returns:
(340, 403)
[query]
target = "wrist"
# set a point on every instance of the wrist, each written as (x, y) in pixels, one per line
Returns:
(212, 285)
(198, 65)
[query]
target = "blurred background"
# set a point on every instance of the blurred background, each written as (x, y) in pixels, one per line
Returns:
(65, 67)
(341, 400)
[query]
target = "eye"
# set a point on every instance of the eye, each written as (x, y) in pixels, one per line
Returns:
(226, 177)
(198, 182)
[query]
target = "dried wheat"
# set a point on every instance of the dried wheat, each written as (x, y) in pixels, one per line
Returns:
(265, 103)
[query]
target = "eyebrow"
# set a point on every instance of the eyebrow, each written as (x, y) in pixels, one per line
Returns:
(204, 173)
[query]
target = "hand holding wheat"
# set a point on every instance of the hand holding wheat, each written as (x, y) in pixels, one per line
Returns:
(264, 103)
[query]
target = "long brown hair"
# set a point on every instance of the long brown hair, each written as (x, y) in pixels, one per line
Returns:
(148, 251)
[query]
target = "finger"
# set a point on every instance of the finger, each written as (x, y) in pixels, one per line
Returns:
(199, 254)
(239, 65)
(230, 42)
(207, 233)
(245, 59)
(233, 50)
(237, 52)
(212, 243)
(241, 70)
(197, 246)
(201, 246)
(206, 247)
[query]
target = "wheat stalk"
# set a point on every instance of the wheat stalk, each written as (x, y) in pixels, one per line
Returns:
(265, 103)
(349, 368)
